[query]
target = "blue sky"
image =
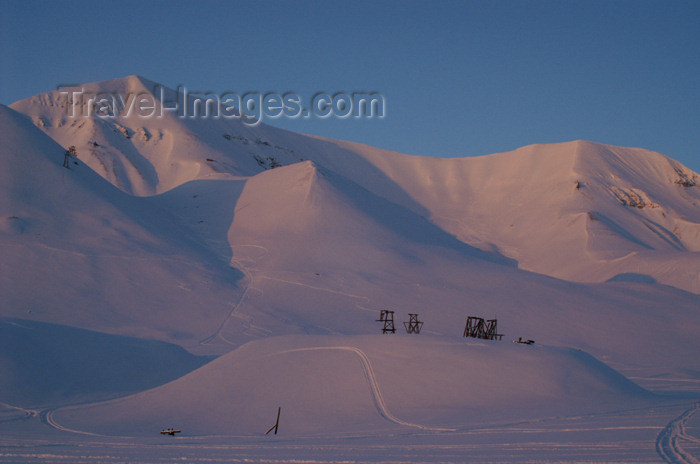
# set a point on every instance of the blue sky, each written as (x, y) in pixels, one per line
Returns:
(458, 78)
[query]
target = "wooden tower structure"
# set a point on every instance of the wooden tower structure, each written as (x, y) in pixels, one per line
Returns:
(477, 327)
(413, 325)
(387, 317)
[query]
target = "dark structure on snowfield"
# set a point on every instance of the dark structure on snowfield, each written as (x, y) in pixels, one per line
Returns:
(170, 431)
(413, 325)
(387, 317)
(277, 424)
(67, 155)
(477, 327)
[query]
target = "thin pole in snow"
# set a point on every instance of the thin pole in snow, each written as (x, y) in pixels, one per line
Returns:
(277, 424)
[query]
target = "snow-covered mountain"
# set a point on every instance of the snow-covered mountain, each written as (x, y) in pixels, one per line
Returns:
(277, 251)
(578, 211)
(148, 155)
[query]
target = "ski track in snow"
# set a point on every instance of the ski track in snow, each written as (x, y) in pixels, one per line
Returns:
(47, 418)
(321, 289)
(377, 396)
(249, 278)
(247, 270)
(668, 443)
(47, 415)
(27, 412)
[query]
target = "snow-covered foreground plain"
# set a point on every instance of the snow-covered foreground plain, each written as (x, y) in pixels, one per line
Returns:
(664, 433)
(172, 278)
(374, 399)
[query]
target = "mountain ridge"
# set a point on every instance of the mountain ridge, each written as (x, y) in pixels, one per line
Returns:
(576, 210)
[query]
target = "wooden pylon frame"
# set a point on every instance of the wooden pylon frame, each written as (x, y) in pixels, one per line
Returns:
(387, 317)
(413, 326)
(477, 327)
(277, 423)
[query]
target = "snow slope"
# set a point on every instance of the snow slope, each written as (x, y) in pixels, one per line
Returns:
(326, 384)
(45, 364)
(77, 251)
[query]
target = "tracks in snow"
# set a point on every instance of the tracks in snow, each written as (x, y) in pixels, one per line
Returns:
(668, 443)
(246, 266)
(248, 286)
(47, 418)
(371, 378)
(28, 413)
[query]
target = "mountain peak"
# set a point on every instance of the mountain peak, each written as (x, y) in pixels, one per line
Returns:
(122, 86)
(133, 83)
